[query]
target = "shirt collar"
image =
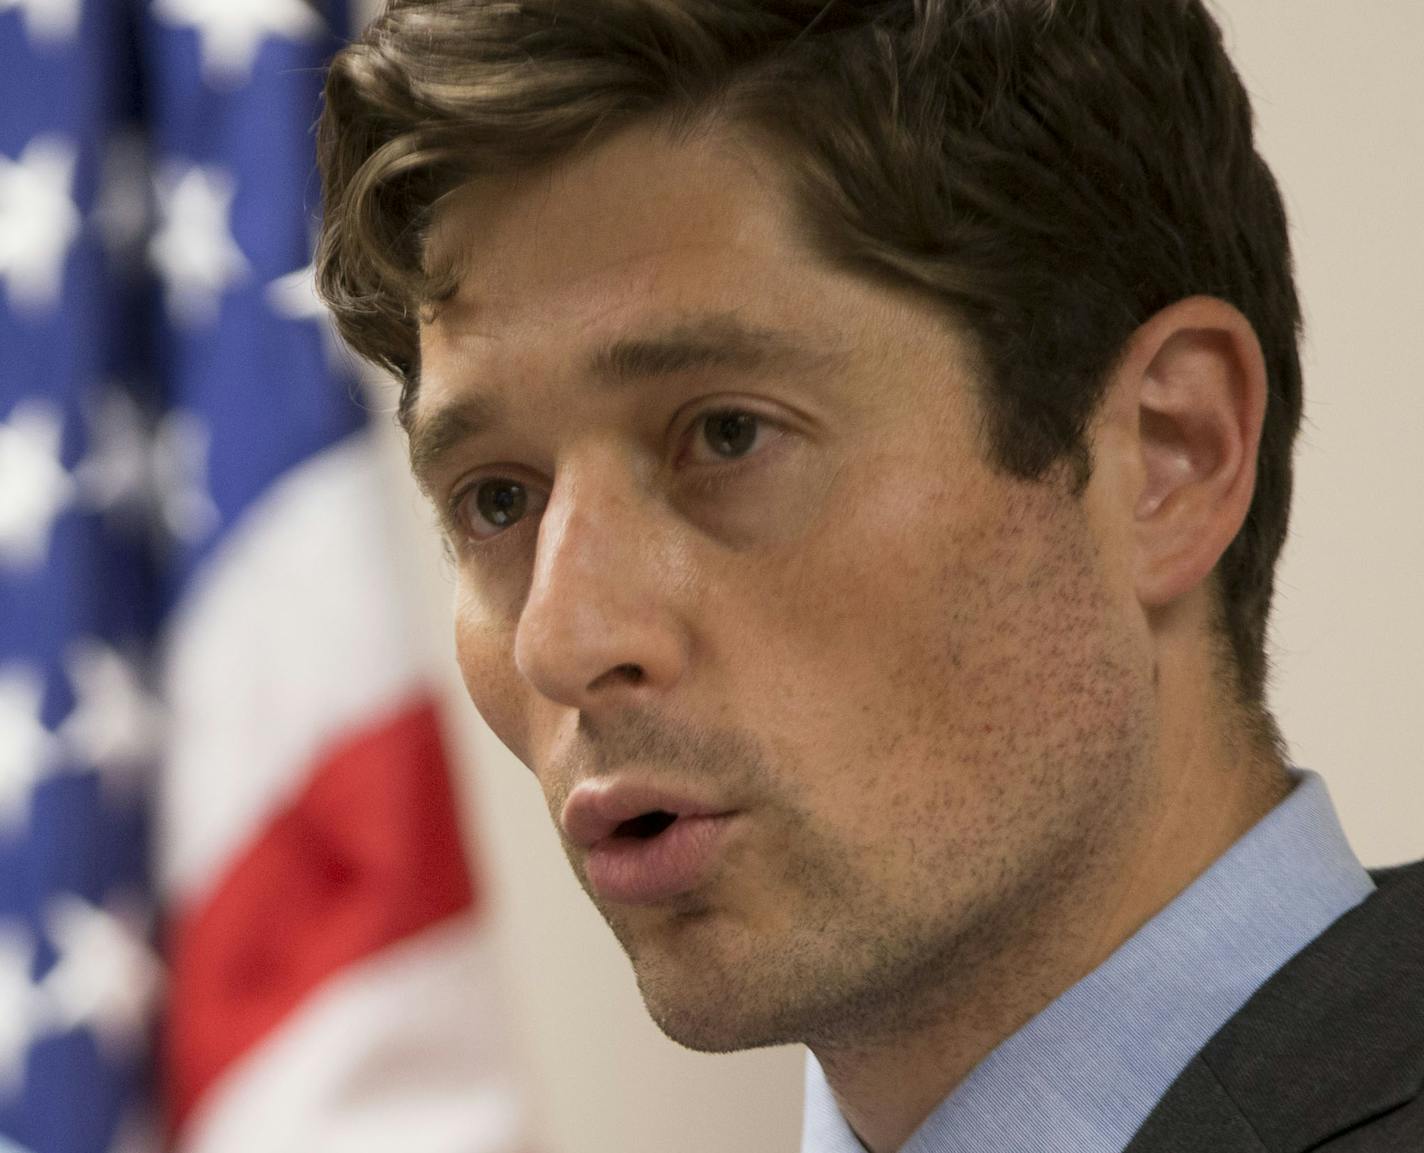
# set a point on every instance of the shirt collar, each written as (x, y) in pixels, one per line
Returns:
(1083, 1075)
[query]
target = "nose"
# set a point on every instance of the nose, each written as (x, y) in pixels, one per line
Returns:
(599, 628)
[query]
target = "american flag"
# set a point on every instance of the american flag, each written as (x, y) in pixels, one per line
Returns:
(235, 906)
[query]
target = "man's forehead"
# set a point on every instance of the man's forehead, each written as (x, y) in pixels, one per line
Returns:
(638, 261)
(637, 195)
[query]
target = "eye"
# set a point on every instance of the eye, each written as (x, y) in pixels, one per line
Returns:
(731, 433)
(489, 506)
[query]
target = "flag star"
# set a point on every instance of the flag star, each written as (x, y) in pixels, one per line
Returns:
(22, 1009)
(52, 21)
(38, 222)
(294, 296)
(180, 469)
(230, 33)
(146, 474)
(36, 486)
(115, 726)
(115, 473)
(28, 750)
(194, 251)
(107, 978)
(123, 209)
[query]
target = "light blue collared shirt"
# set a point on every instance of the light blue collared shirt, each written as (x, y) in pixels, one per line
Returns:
(1082, 1076)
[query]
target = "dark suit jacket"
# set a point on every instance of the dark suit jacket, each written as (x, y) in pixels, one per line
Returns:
(1327, 1055)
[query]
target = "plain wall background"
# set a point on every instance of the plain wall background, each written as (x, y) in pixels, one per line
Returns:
(1339, 96)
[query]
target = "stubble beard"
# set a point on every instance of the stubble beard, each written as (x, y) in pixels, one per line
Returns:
(850, 971)
(855, 966)
(992, 912)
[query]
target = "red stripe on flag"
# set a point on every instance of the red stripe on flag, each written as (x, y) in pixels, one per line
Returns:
(370, 853)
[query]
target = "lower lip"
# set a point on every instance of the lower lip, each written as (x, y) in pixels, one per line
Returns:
(632, 871)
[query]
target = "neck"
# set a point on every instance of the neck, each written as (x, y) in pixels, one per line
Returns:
(1209, 792)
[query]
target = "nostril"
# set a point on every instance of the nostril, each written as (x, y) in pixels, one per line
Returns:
(645, 826)
(627, 674)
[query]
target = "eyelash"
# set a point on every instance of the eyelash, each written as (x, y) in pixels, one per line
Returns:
(714, 479)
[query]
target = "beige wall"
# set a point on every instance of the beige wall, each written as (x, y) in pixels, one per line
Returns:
(1339, 90)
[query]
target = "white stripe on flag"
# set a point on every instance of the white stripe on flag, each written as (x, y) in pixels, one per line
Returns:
(335, 1076)
(297, 620)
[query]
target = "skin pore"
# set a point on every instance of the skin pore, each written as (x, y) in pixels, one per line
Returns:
(971, 725)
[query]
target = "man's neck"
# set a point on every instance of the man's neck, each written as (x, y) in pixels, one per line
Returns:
(886, 1089)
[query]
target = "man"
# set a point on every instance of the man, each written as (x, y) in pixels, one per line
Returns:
(862, 436)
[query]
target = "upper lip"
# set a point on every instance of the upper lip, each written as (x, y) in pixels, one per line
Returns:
(596, 808)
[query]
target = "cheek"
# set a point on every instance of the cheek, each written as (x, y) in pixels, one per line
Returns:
(877, 602)
(483, 650)
(924, 645)
(855, 635)
(991, 611)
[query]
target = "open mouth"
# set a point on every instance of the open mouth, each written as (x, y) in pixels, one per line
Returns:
(646, 826)
(657, 855)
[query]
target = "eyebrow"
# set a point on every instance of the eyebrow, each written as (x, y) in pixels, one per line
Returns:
(715, 342)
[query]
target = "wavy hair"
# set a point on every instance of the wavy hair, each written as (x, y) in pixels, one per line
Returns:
(1050, 172)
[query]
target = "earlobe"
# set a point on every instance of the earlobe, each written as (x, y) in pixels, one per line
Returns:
(1201, 391)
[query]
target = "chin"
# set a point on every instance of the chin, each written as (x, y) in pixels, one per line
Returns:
(711, 1024)
(711, 1006)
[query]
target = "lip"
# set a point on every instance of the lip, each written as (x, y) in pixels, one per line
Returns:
(595, 809)
(633, 870)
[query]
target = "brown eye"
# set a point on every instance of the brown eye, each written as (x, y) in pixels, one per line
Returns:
(501, 503)
(491, 506)
(730, 433)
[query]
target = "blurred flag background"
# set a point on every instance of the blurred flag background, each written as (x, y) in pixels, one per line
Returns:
(235, 907)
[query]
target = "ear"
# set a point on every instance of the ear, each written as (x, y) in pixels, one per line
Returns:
(1196, 378)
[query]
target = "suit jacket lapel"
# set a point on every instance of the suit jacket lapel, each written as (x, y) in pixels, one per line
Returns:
(1196, 1116)
(1335, 1037)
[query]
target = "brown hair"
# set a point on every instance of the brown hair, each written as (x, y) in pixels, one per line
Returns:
(1053, 172)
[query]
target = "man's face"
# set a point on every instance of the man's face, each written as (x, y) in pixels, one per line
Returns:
(779, 578)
